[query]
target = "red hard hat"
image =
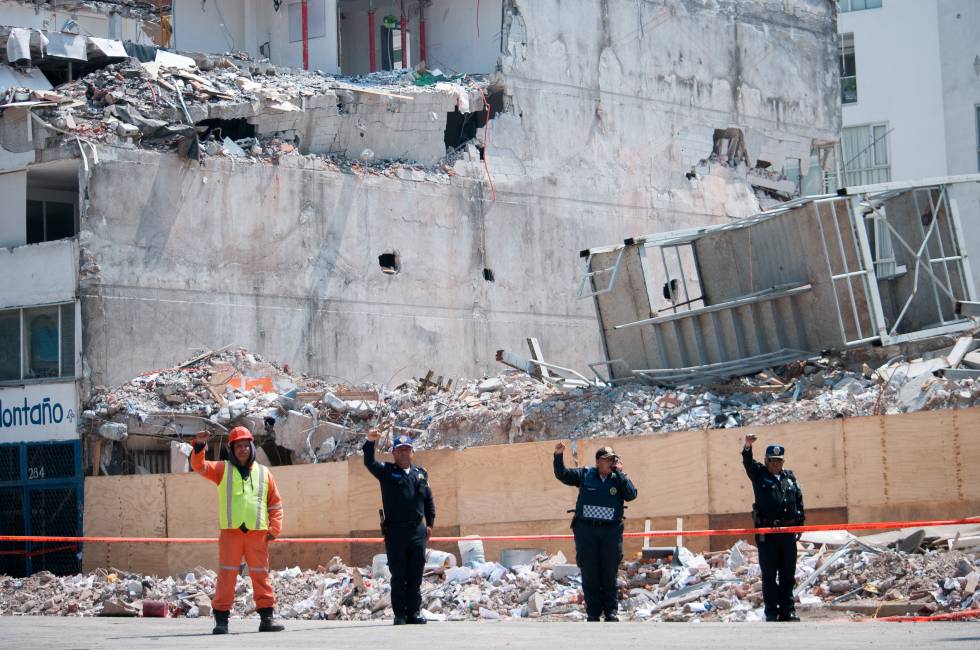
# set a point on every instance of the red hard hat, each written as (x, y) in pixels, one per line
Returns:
(239, 433)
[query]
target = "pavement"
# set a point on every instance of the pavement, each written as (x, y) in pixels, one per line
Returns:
(53, 633)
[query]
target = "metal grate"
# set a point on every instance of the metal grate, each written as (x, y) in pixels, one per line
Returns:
(13, 557)
(9, 463)
(50, 461)
(55, 511)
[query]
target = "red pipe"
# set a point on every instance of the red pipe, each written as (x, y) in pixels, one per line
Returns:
(374, 62)
(404, 41)
(306, 37)
(421, 34)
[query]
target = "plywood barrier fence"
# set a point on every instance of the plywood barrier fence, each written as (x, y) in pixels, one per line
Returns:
(919, 465)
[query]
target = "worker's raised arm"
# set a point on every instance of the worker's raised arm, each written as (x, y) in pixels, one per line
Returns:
(213, 471)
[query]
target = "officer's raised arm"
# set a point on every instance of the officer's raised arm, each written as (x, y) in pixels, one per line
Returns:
(565, 475)
(372, 465)
(753, 468)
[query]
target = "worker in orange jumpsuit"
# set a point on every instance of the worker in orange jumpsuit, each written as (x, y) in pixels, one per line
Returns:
(250, 516)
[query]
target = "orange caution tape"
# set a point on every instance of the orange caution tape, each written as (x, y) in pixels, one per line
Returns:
(879, 525)
(950, 616)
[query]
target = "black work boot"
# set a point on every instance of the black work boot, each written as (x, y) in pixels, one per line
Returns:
(789, 617)
(267, 624)
(415, 619)
(220, 622)
(399, 620)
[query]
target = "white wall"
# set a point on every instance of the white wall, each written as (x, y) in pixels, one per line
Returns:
(898, 79)
(13, 209)
(39, 274)
(454, 43)
(959, 26)
(91, 23)
(273, 26)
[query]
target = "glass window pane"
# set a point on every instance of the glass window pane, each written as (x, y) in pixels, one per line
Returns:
(68, 340)
(35, 222)
(873, 4)
(857, 5)
(41, 342)
(881, 145)
(61, 220)
(9, 344)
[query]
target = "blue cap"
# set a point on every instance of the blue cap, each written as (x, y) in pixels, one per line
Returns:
(775, 451)
(402, 441)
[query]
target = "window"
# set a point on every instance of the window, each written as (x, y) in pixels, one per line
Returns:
(864, 150)
(848, 70)
(792, 170)
(49, 220)
(857, 5)
(37, 342)
(316, 20)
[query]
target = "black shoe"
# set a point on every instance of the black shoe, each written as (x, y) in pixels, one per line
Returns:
(415, 619)
(771, 619)
(399, 620)
(220, 622)
(592, 619)
(790, 617)
(267, 624)
(612, 618)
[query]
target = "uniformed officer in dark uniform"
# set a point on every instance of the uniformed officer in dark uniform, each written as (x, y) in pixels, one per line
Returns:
(598, 526)
(409, 514)
(778, 502)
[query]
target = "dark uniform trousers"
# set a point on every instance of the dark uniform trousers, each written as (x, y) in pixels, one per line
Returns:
(598, 552)
(405, 546)
(777, 560)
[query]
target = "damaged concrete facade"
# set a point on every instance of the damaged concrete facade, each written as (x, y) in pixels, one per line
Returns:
(613, 118)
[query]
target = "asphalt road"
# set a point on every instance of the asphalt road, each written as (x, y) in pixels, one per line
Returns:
(51, 633)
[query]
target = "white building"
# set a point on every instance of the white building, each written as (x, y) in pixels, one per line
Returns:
(910, 89)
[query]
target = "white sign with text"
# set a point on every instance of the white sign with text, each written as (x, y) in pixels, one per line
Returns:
(39, 412)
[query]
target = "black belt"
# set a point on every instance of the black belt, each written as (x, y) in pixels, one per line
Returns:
(597, 522)
(776, 523)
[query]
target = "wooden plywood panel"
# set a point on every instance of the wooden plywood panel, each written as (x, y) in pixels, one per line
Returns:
(192, 511)
(505, 483)
(920, 463)
(915, 511)
(814, 452)
(364, 493)
(314, 498)
(126, 506)
(668, 470)
(966, 446)
(307, 556)
(864, 460)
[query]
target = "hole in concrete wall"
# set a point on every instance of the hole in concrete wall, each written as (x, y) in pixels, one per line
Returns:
(462, 127)
(389, 262)
(278, 455)
(926, 219)
(670, 290)
(235, 129)
(488, 275)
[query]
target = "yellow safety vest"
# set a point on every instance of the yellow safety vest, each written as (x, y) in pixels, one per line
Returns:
(243, 501)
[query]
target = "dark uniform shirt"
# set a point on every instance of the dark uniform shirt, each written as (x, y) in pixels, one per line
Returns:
(778, 501)
(405, 494)
(624, 487)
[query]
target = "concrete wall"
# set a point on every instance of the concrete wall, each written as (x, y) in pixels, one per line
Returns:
(607, 106)
(13, 208)
(91, 23)
(273, 26)
(460, 36)
(39, 274)
(850, 470)
(214, 27)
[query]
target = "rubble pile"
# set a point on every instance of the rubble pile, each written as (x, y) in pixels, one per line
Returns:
(721, 586)
(320, 420)
(182, 103)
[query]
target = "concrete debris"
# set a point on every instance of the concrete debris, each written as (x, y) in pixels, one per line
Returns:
(319, 421)
(697, 588)
(234, 106)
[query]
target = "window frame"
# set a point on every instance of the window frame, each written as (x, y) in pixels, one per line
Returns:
(843, 54)
(847, 6)
(872, 128)
(23, 352)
